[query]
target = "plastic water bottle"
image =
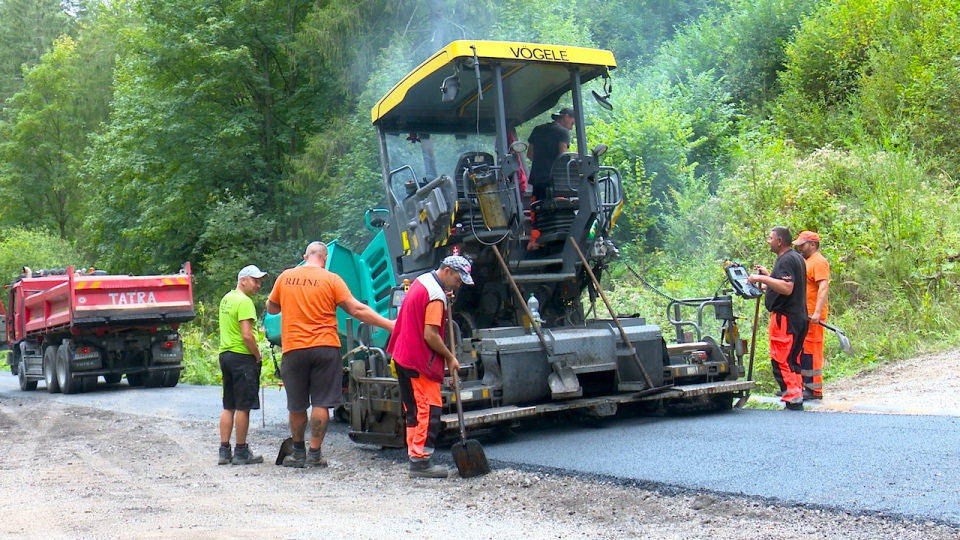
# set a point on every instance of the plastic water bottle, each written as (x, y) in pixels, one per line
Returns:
(534, 306)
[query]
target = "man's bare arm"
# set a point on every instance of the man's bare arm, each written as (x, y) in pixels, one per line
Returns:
(431, 334)
(823, 286)
(246, 330)
(364, 313)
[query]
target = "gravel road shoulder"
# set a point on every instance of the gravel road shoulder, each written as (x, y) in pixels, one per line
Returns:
(76, 472)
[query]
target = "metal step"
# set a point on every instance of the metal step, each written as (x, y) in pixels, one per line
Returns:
(511, 412)
(535, 263)
(539, 278)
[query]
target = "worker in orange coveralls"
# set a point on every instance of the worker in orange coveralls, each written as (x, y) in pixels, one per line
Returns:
(818, 284)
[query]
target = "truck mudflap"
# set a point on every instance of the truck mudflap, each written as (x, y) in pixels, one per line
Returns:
(604, 404)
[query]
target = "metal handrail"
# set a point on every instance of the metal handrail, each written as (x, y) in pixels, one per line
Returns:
(702, 303)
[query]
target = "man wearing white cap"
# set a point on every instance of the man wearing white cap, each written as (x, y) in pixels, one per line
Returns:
(240, 362)
(420, 353)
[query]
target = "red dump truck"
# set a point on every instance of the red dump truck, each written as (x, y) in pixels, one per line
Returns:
(68, 328)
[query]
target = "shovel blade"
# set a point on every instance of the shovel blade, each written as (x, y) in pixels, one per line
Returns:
(845, 343)
(286, 449)
(470, 459)
(845, 346)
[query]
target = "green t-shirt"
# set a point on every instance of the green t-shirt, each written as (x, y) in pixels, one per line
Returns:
(235, 307)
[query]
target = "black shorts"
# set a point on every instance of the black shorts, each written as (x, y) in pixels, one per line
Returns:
(241, 381)
(312, 378)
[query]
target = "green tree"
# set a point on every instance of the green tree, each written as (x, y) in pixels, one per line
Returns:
(742, 44)
(27, 31)
(43, 154)
(208, 100)
(876, 72)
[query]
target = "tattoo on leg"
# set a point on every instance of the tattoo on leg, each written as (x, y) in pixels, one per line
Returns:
(298, 428)
(317, 427)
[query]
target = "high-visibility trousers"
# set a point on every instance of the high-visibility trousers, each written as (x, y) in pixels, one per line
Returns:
(786, 344)
(422, 406)
(811, 360)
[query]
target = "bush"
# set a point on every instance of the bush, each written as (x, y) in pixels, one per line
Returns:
(201, 349)
(36, 249)
(887, 231)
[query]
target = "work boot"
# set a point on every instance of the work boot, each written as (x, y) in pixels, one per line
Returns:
(297, 459)
(424, 469)
(808, 394)
(243, 456)
(226, 456)
(794, 406)
(315, 459)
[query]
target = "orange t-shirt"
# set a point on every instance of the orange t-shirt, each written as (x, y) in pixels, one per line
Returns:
(308, 298)
(818, 269)
(434, 314)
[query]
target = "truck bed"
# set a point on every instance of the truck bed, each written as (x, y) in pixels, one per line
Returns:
(79, 301)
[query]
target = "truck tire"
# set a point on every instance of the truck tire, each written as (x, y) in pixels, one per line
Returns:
(50, 369)
(135, 379)
(68, 384)
(112, 378)
(171, 378)
(154, 379)
(25, 385)
(88, 384)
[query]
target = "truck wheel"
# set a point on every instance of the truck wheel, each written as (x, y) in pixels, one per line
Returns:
(112, 378)
(135, 379)
(25, 385)
(171, 378)
(153, 379)
(68, 384)
(50, 369)
(88, 384)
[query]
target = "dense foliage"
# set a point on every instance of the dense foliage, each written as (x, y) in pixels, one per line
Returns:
(139, 134)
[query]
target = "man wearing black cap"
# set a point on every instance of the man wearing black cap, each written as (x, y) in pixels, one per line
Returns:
(546, 142)
(420, 353)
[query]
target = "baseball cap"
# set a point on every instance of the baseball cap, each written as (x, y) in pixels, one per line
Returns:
(806, 236)
(251, 271)
(461, 265)
(564, 111)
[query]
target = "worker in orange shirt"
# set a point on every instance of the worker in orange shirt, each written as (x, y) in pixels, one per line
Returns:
(312, 371)
(818, 285)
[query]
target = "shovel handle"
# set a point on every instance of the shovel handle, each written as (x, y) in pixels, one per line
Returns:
(456, 376)
(829, 327)
(520, 301)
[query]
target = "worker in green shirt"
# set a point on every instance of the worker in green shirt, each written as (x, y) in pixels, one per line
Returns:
(240, 363)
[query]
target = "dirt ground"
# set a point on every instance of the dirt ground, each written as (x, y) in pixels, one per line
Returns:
(74, 472)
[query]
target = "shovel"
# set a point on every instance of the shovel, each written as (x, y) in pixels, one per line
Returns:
(844, 340)
(753, 348)
(467, 454)
(650, 389)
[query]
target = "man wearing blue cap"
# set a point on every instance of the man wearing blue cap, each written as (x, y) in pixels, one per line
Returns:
(240, 363)
(420, 353)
